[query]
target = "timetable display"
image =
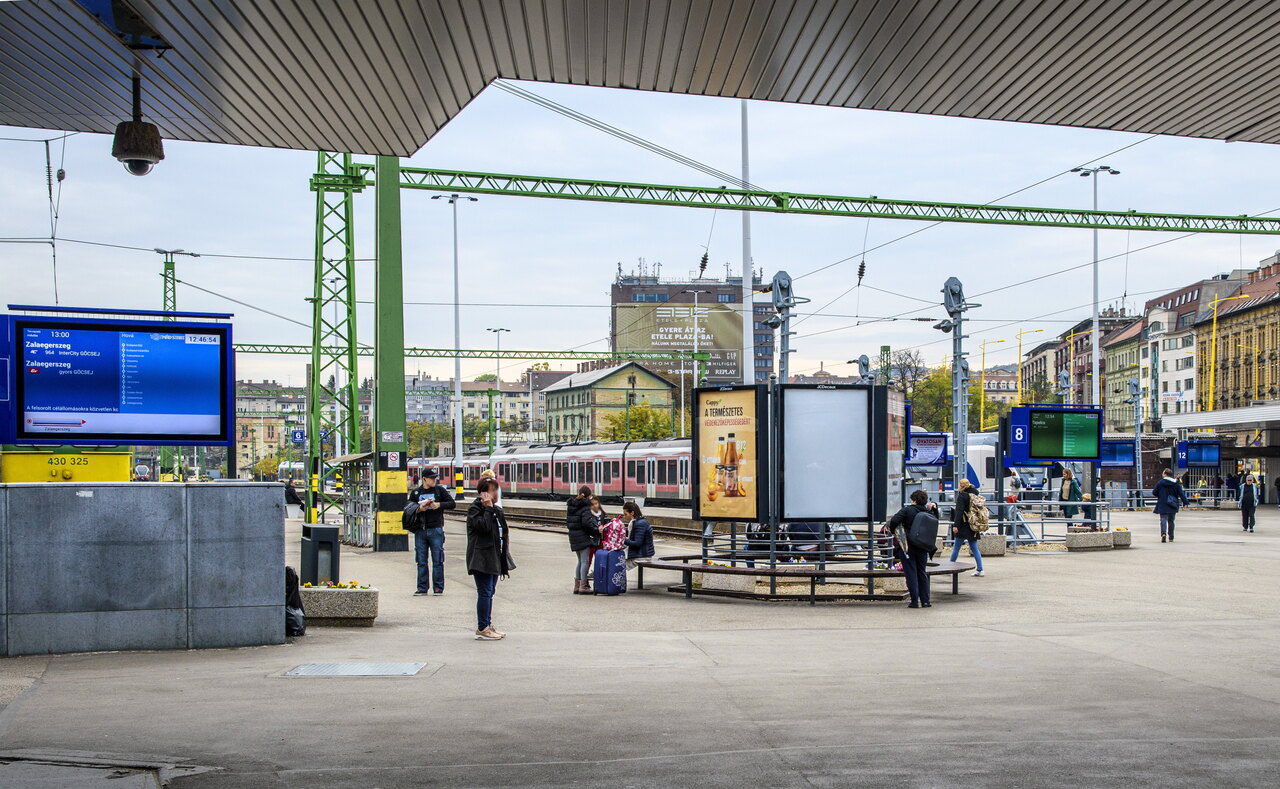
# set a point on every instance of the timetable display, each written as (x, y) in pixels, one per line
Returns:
(1039, 434)
(134, 382)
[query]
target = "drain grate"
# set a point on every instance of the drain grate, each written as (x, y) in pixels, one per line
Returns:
(355, 670)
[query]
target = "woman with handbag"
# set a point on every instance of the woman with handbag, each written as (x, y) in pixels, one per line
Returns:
(1169, 496)
(1070, 491)
(584, 536)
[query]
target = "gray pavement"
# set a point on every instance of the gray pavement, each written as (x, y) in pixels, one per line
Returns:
(1153, 666)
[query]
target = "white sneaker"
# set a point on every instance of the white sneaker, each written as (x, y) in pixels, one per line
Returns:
(979, 574)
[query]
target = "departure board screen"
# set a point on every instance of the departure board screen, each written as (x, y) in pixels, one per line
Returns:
(1065, 435)
(1117, 454)
(127, 383)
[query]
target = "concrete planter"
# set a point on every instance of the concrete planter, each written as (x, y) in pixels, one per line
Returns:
(727, 582)
(340, 607)
(1121, 539)
(991, 545)
(1090, 541)
(891, 585)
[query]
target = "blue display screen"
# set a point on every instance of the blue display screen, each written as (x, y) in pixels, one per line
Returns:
(126, 383)
(1117, 454)
(1200, 454)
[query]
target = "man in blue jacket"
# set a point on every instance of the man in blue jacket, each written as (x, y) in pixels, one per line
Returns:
(1169, 496)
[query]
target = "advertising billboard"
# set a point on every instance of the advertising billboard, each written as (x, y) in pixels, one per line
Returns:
(927, 449)
(1046, 434)
(729, 441)
(119, 382)
(670, 327)
(826, 452)
(1199, 454)
(1117, 454)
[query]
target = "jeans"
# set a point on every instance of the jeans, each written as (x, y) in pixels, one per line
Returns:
(486, 584)
(584, 565)
(917, 581)
(973, 548)
(1247, 518)
(431, 540)
(1166, 523)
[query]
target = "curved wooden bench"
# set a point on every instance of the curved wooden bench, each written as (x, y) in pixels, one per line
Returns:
(682, 564)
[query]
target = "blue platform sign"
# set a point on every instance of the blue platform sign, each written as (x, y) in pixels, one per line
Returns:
(1040, 434)
(298, 436)
(117, 382)
(1199, 454)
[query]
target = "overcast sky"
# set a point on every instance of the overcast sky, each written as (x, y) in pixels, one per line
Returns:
(553, 261)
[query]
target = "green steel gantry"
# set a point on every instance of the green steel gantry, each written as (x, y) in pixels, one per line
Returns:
(334, 348)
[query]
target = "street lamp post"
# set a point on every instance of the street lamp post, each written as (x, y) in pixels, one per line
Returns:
(457, 338)
(1020, 333)
(982, 385)
(497, 384)
(1096, 356)
(1213, 349)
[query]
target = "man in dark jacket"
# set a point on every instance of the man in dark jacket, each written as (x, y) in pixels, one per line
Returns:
(427, 503)
(1169, 495)
(1250, 498)
(488, 554)
(915, 558)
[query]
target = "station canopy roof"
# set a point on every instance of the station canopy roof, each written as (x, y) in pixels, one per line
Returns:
(382, 76)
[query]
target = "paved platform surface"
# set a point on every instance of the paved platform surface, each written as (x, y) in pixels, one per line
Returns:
(1152, 666)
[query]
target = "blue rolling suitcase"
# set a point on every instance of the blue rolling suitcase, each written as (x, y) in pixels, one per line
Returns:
(611, 572)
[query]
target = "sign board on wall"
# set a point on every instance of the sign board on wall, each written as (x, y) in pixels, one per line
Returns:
(729, 442)
(927, 449)
(669, 327)
(1117, 454)
(1199, 454)
(118, 382)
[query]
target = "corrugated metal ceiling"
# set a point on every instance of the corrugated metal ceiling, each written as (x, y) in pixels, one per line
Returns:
(382, 76)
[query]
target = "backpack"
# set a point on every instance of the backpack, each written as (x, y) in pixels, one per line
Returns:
(409, 520)
(923, 534)
(979, 520)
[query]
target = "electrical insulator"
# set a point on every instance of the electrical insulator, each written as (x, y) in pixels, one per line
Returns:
(862, 271)
(702, 266)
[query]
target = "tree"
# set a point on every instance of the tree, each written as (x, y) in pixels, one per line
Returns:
(425, 437)
(486, 378)
(931, 403)
(908, 371)
(266, 468)
(646, 424)
(1039, 389)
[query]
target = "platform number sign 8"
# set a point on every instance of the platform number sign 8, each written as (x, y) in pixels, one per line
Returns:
(1019, 434)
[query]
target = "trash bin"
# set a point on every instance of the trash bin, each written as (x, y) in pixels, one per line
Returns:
(320, 549)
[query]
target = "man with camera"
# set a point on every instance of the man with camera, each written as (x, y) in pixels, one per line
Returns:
(425, 509)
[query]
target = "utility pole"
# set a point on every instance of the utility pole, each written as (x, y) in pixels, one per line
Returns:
(1135, 397)
(1096, 355)
(784, 300)
(747, 362)
(457, 346)
(497, 384)
(390, 447)
(168, 455)
(954, 302)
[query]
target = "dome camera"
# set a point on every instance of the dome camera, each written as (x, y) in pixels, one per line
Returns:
(137, 145)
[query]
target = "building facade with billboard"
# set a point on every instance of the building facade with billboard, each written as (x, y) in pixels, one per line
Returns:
(649, 313)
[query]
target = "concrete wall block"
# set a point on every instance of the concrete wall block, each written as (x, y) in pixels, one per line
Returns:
(1089, 541)
(96, 547)
(237, 544)
(213, 628)
(4, 581)
(96, 631)
(992, 544)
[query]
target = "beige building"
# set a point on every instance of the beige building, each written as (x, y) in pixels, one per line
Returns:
(1000, 385)
(1121, 352)
(577, 405)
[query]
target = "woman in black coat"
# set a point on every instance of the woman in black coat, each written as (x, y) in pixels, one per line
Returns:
(1169, 496)
(960, 531)
(584, 534)
(488, 554)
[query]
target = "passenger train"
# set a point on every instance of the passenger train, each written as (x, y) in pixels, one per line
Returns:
(657, 471)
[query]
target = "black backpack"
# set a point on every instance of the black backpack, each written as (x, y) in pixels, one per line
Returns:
(923, 534)
(410, 519)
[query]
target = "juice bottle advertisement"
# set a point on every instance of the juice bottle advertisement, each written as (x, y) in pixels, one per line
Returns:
(727, 454)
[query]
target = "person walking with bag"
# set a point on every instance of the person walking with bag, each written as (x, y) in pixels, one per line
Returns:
(1169, 496)
(917, 521)
(1250, 498)
(425, 509)
(1070, 491)
(488, 554)
(960, 531)
(584, 536)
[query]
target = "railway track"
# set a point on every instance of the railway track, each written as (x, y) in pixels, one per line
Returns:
(555, 523)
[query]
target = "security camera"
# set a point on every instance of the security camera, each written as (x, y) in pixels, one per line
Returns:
(137, 146)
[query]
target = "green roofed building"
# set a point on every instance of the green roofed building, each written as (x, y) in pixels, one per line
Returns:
(577, 405)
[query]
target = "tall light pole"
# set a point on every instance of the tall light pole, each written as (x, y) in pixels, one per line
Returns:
(1096, 356)
(1020, 333)
(457, 339)
(982, 377)
(1213, 349)
(497, 384)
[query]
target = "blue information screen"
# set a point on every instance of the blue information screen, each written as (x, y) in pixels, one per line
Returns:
(127, 383)
(1117, 454)
(1040, 434)
(1199, 454)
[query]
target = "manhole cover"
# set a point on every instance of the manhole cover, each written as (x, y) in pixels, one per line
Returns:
(355, 670)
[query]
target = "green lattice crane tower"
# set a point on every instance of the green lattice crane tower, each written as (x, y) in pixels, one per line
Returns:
(170, 305)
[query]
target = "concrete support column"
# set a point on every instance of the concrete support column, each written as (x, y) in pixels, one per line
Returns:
(391, 481)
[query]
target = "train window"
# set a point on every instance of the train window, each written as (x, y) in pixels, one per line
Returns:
(591, 472)
(640, 472)
(560, 472)
(631, 469)
(616, 466)
(671, 472)
(662, 473)
(605, 468)
(582, 472)
(537, 472)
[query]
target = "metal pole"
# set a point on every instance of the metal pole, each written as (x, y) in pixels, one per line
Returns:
(747, 362)
(457, 346)
(1095, 385)
(389, 477)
